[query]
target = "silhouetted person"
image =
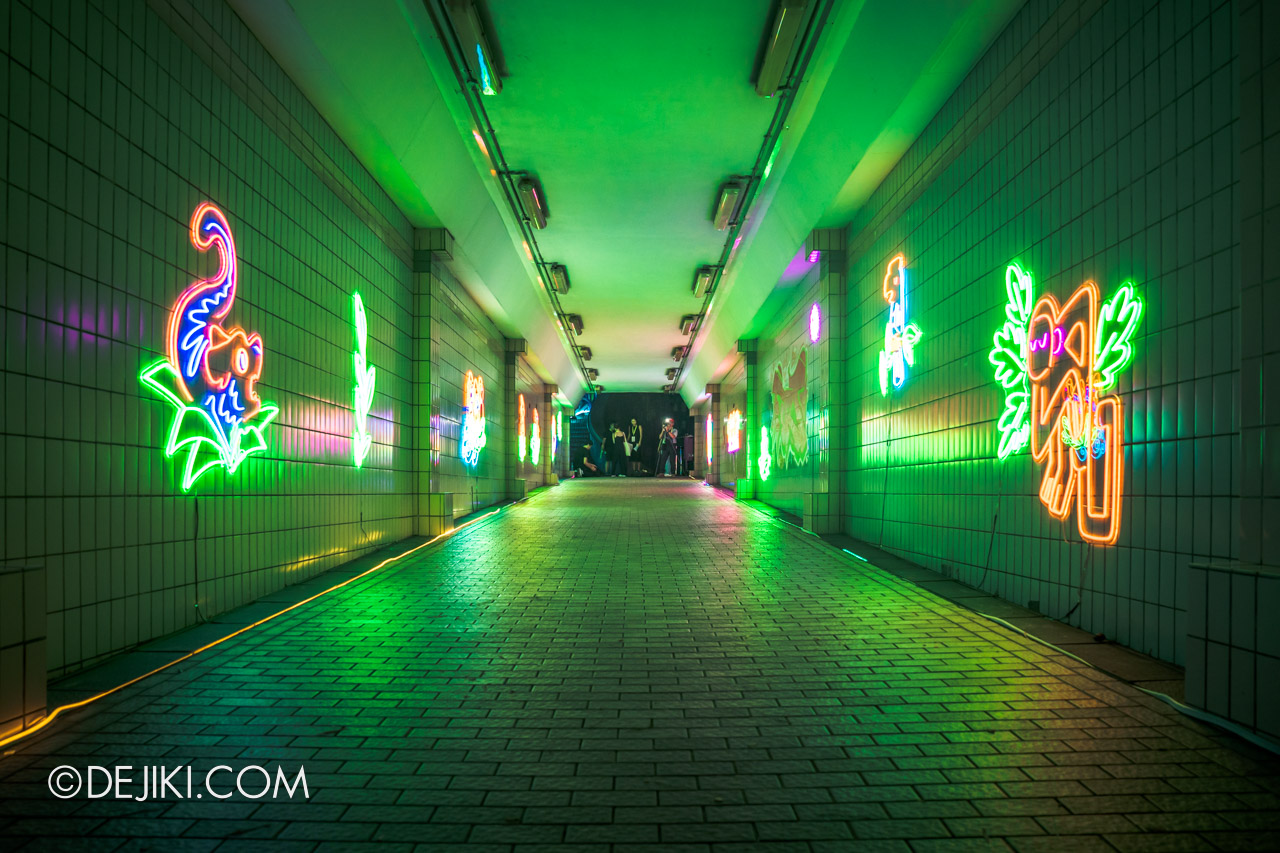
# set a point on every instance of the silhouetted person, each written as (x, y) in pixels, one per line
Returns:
(666, 450)
(635, 437)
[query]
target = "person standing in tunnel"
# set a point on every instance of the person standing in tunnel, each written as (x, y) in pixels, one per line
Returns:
(666, 449)
(618, 450)
(635, 435)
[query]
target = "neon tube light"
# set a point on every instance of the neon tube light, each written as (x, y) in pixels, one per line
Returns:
(733, 432)
(520, 434)
(1054, 362)
(473, 431)
(900, 337)
(815, 323)
(708, 441)
(366, 377)
(535, 437)
(210, 370)
(555, 434)
(764, 461)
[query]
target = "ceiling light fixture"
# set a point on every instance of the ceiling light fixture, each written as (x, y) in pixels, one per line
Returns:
(781, 39)
(574, 320)
(534, 201)
(727, 203)
(667, 389)
(593, 374)
(584, 353)
(475, 45)
(560, 278)
(688, 324)
(671, 374)
(702, 281)
(677, 353)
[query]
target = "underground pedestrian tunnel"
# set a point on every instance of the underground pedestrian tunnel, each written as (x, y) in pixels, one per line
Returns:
(743, 425)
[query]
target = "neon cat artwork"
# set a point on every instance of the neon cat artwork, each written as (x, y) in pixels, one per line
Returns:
(789, 389)
(1055, 362)
(473, 427)
(210, 371)
(366, 377)
(900, 337)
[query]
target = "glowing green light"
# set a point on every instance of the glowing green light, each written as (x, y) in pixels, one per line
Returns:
(194, 429)
(851, 554)
(1118, 320)
(764, 460)
(1009, 357)
(535, 438)
(773, 155)
(366, 377)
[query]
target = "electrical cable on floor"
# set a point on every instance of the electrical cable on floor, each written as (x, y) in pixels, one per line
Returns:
(82, 703)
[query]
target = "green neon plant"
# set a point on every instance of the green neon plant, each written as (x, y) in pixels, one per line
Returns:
(1118, 320)
(366, 377)
(1009, 357)
(764, 460)
(193, 429)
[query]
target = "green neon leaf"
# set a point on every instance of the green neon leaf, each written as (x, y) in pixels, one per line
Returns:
(1118, 321)
(910, 335)
(1007, 355)
(1020, 289)
(1014, 424)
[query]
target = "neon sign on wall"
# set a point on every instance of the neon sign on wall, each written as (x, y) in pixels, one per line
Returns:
(473, 432)
(708, 440)
(733, 431)
(210, 370)
(535, 437)
(815, 323)
(366, 376)
(900, 337)
(520, 435)
(764, 461)
(1054, 362)
(555, 434)
(789, 391)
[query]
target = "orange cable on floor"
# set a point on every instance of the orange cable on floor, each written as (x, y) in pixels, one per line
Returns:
(73, 705)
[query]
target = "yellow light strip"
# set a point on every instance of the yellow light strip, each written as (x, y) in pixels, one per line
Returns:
(73, 705)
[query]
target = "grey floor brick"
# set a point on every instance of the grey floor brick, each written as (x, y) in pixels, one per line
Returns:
(648, 666)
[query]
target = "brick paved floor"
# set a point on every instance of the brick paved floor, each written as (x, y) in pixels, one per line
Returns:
(645, 665)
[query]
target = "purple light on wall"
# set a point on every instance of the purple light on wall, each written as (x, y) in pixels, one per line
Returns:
(815, 323)
(814, 255)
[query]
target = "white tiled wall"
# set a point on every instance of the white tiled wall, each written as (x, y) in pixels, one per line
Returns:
(1093, 141)
(119, 118)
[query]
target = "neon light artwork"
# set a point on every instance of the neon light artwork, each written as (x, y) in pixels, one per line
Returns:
(473, 433)
(764, 460)
(708, 440)
(1054, 368)
(555, 434)
(900, 337)
(789, 390)
(366, 376)
(535, 437)
(210, 370)
(733, 432)
(520, 436)
(815, 323)
(1009, 356)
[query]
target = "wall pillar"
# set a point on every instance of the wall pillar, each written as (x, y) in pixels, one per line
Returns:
(433, 513)
(825, 506)
(547, 428)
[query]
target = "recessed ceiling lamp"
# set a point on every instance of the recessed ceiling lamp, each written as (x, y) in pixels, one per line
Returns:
(781, 39)
(560, 278)
(688, 323)
(533, 200)
(574, 320)
(584, 353)
(677, 353)
(702, 280)
(475, 45)
(727, 203)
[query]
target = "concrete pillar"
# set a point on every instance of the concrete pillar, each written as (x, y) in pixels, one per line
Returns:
(826, 506)
(433, 512)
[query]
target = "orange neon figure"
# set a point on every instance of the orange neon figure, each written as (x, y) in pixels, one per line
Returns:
(1076, 433)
